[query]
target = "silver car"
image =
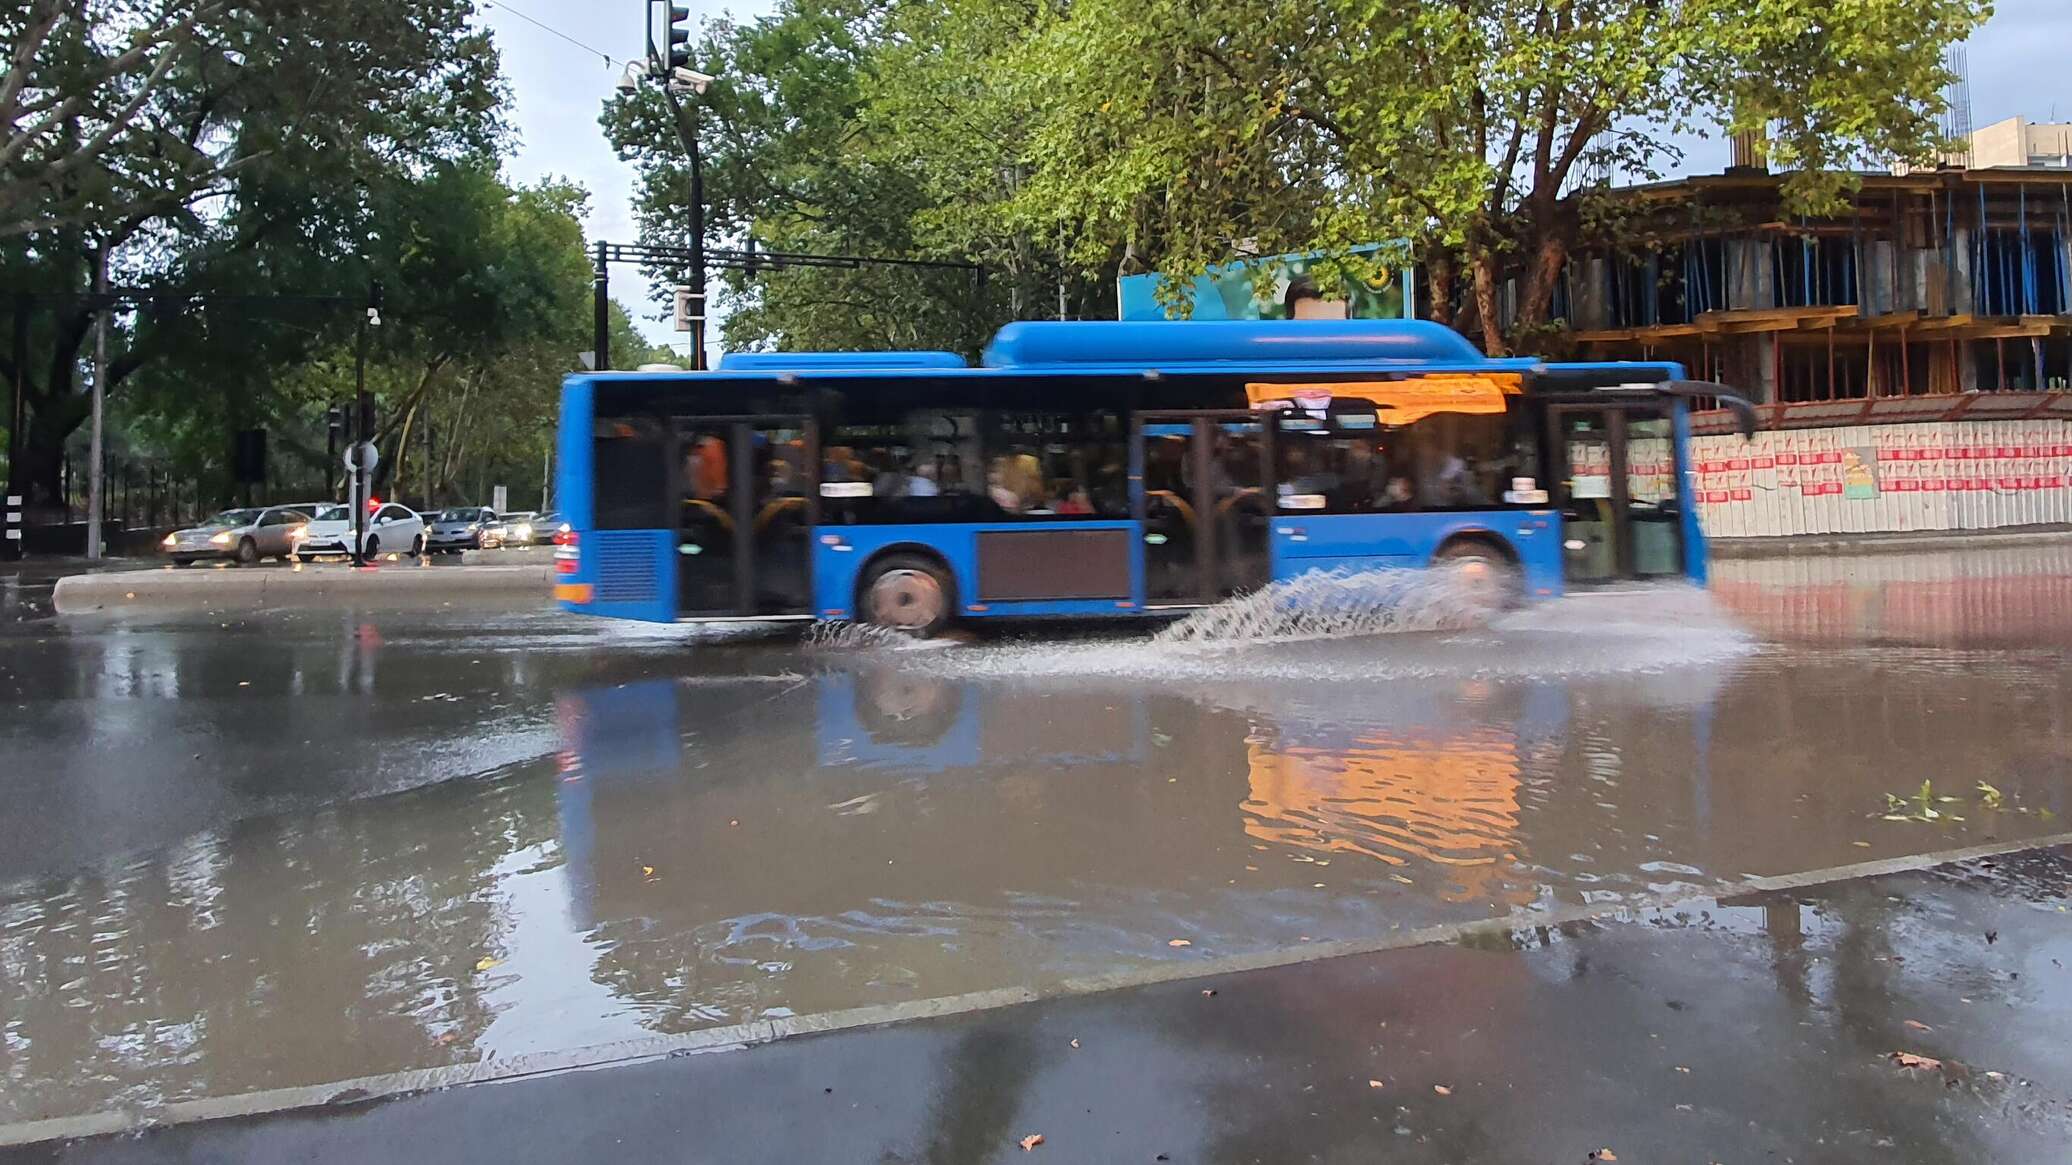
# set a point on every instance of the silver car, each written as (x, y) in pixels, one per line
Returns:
(463, 528)
(245, 535)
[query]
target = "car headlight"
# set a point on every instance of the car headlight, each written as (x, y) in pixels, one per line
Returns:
(222, 539)
(171, 540)
(522, 532)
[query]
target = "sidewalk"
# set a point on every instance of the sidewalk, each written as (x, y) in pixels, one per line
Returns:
(1889, 542)
(202, 588)
(1910, 1017)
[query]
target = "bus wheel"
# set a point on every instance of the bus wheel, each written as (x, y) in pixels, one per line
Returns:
(1489, 575)
(909, 593)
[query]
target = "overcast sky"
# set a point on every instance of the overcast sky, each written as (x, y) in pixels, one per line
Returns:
(560, 88)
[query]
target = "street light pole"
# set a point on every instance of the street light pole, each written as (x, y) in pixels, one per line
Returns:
(94, 447)
(688, 132)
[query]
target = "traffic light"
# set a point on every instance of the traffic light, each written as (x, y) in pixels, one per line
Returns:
(334, 424)
(679, 53)
(366, 432)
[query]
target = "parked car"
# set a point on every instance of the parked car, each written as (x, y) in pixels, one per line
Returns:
(391, 529)
(244, 535)
(521, 528)
(554, 528)
(464, 528)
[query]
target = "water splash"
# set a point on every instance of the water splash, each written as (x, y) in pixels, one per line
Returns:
(851, 637)
(1341, 603)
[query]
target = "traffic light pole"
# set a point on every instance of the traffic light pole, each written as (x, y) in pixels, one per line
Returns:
(688, 133)
(362, 428)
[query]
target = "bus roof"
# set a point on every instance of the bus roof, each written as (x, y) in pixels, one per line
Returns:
(1109, 348)
(1167, 343)
(822, 361)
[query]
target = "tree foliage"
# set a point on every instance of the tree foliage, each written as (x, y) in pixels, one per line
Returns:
(249, 148)
(1063, 143)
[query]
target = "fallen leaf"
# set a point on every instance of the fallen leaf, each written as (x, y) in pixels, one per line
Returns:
(1442, 1090)
(1178, 942)
(1402, 879)
(1075, 1043)
(1604, 1155)
(1918, 1026)
(1374, 1084)
(1910, 1060)
(1681, 1068)
(1996, 1075)
(647, 871)
(1861, 844)
(736, 821)
(1031, 1141)
(486, 962)
(1208, 991)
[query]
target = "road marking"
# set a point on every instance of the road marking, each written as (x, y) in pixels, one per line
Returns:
(736, 1037)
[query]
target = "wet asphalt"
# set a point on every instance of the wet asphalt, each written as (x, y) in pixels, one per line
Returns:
(244, 852)
(1755, 1030)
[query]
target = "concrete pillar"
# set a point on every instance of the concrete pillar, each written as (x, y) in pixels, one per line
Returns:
(1963, 299)
(1749, 363)
(1749, 283)
(1587, 308)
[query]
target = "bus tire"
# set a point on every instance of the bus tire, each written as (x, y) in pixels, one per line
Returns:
(912, 593)
(1487, 566)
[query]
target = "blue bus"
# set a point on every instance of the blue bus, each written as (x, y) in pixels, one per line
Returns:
(1115, 470)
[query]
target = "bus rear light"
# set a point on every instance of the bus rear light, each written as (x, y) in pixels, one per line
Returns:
(565, 566)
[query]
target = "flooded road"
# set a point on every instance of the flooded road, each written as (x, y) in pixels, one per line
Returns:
(311, 847)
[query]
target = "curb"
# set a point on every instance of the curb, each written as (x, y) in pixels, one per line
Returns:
(1804, 545)
(737, 1037)
(174, 589)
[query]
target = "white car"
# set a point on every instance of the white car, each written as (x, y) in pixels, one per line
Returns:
(391, 529)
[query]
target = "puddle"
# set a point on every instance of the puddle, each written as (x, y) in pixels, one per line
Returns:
(640, 832)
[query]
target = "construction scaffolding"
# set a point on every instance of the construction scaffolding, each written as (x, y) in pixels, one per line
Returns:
(1933, 282)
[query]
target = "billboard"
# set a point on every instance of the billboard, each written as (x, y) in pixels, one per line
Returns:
(1279, 287)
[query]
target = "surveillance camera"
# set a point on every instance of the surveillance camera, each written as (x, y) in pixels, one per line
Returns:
(629, 80)
(691, 79)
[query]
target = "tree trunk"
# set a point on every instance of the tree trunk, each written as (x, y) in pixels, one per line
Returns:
(1538, 298)
(1485, 305)
(1439, 273)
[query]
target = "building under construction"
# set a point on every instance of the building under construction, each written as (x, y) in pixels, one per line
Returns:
(1910, 355)
(1933, 282)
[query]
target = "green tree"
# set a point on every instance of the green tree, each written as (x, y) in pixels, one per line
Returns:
(246, 151)
(792, 164)
(1475, 128)
(491, 310)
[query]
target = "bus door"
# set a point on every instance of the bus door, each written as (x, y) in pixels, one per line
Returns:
(1205, 503)
(744, 515)
(1622, 513)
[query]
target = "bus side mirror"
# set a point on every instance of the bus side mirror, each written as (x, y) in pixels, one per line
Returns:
(1744, 411)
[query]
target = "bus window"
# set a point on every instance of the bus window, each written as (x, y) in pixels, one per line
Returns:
(923, 468)
(1348, 469)
(1351, 465)
(631, 467)
(1058, 466)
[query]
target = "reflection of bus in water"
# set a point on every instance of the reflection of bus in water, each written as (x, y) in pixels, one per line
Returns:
(1114, 470)
(1442, 785)
(1089, 785)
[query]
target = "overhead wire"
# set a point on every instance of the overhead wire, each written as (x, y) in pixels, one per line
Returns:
(608, 59)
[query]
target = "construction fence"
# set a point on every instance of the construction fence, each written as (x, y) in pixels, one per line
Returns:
(1810, 473)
